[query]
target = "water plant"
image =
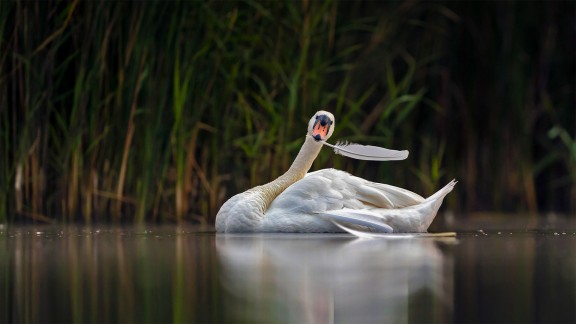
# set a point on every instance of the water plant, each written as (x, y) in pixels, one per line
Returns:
(149, 111)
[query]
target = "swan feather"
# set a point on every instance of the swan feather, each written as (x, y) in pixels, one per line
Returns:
(363, 218)
(367, 152)
(370, 235)
(329, 195)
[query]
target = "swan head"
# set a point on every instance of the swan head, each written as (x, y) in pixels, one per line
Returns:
(321, 125)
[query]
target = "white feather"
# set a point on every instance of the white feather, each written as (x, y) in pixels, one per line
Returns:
(365, 234)
(367, 152)
(359, 217)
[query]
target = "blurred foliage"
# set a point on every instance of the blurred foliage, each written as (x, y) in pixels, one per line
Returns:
(113, 110)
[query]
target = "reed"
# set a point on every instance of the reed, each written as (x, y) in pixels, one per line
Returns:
(159, 111)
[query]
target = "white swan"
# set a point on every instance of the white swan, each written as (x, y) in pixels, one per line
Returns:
(328, 200)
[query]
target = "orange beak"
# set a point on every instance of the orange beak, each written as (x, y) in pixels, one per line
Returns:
(321, 128)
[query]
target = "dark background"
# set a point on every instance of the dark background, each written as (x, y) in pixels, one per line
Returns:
(154, 111)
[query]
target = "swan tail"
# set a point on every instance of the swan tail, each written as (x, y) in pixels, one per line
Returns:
(437, 198)
(440, 194)
(432, 204)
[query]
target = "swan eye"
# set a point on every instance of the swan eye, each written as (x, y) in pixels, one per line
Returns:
(316, 116)
(331, 122)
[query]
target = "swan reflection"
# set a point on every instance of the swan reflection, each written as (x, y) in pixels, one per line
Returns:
(336, 278)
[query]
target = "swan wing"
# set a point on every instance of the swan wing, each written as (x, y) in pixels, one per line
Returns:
(362, 217)
(386, 196)
(449, 236)
(313, 203)
(370, 194)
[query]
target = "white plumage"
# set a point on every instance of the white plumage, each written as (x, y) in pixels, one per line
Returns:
(367, 152)
(329, 200)
(311, 204)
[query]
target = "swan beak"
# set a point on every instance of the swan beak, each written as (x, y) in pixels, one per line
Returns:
(321, 128)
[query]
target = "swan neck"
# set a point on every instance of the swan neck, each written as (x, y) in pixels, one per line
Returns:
(305, 158)
(302, 163)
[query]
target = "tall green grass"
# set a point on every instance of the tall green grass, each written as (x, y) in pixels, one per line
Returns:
(148, 111)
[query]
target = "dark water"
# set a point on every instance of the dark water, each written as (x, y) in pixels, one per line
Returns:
(186, 274)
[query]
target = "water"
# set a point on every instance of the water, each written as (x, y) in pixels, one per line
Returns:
(187, 274)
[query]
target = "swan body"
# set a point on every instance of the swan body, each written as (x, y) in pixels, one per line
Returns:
(313, 203)
(328, 200)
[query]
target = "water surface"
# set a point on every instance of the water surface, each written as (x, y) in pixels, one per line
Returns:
(189, 274)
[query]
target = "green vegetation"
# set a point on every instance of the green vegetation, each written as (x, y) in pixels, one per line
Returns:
(146, 111)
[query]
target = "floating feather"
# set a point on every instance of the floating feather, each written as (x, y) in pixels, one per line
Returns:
(367, 152)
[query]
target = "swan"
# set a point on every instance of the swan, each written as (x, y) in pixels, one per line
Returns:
(329, 200)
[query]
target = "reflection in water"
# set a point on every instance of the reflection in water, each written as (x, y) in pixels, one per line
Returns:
(326, 278)
(511, 277)
(179, 274)
(69, 274)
